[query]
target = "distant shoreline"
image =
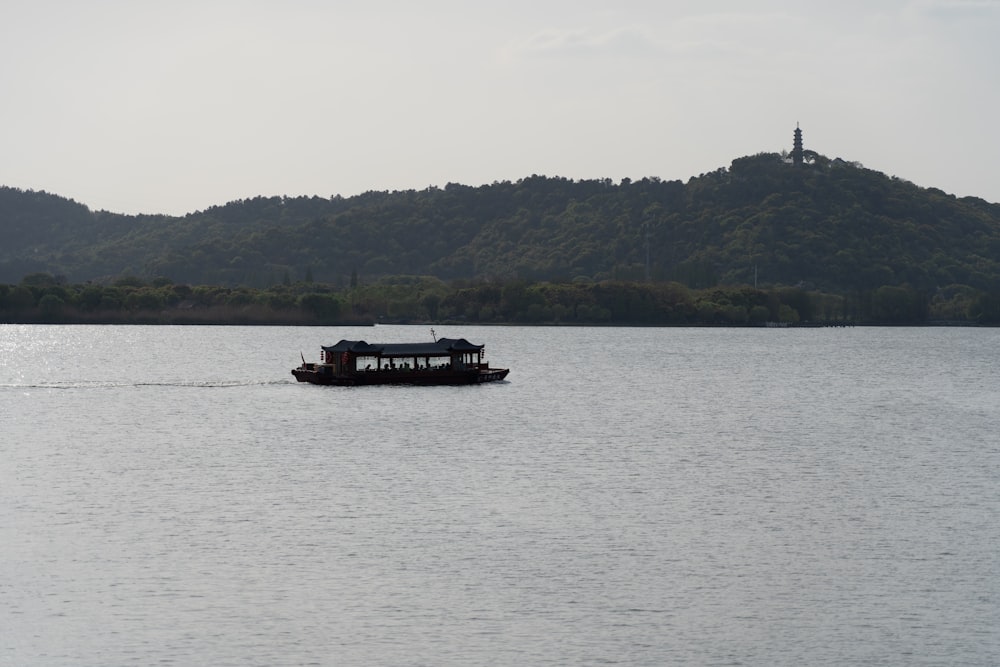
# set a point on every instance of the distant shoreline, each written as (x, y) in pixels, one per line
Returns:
(154, 321)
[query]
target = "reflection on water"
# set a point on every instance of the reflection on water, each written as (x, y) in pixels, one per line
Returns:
(635, 496)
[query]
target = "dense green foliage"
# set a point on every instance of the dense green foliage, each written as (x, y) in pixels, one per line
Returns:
(42, 298)
(831, 225)
(828, 240)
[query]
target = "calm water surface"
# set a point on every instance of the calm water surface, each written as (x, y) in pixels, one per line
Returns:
(169, 495)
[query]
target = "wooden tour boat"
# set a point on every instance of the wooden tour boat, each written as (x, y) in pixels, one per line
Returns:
(444, 361)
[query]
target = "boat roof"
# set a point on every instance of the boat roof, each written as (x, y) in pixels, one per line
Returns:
(442, 347)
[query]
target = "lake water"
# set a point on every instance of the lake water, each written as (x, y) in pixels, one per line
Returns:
(169, 495)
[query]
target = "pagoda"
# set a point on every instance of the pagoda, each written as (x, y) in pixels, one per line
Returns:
(797, 147)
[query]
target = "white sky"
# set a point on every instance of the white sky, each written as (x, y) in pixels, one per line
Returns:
(136, 106)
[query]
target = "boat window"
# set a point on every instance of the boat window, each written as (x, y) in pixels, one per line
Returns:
(367, 363)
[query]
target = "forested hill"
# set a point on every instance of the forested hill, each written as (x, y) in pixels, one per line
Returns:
(830, 225)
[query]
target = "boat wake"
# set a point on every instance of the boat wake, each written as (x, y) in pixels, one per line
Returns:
(191, 384)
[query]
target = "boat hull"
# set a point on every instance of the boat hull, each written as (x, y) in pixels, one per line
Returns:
(417, 377)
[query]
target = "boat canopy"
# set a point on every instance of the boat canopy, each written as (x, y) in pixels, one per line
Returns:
(442, 347)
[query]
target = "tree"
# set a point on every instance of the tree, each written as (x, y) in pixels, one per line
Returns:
(20, 299)
(431, 302)
(324, 307)
(51, 306)
(39, 280)
(985, 308)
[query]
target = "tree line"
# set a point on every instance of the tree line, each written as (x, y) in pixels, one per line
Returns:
(43, 298)
(832, 226)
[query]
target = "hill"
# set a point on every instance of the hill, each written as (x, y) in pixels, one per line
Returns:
(830, 225)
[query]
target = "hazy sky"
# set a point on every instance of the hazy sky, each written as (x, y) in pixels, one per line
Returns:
(136, 106)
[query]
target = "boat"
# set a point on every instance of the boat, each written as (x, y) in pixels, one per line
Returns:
(443, 361)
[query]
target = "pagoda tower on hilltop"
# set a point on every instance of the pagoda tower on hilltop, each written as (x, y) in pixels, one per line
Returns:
(797, 147)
